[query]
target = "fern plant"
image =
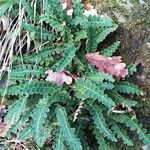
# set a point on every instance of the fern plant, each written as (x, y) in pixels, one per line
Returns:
(44, 111)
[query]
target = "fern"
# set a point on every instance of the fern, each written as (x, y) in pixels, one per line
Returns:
(134, 126)
(121, 134)
(96, 37)
(41, 110)
(99, 77)
(15, 111)
(68, 56)
(33, 87)
(80, 35)
(129, 88)
(28, 71)
(29, 10)
(105, 32)
(39, 32)
(101, 141)
(99, 122)
(5, 6)
(98, 21)
(39, 118)
(36, 127)
(53, 7)
(68, 133)
(59, 145)
(132, 69)
(43, 54)
(110, 50)
(86, 89)
(121, 100)
(53, 22)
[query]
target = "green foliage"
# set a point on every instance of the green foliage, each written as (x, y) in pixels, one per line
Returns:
(128, 88)
(134, 126)
(5, 5)
(121, 134)
(42, 111)
(59, 145)
(30, 10)
(15, 111)
(28, 71)
(121, 100)
(38, 33)
(94, 38)
(68, 56)
(85, 89)
(111, 49)
(68, 133)
(99, 77)
(132, 69)
(53, 22)
(100, 123)
(36, 127)
(101, 141)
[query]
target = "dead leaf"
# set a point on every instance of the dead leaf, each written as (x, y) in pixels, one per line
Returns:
(110, 65)
(58, 78)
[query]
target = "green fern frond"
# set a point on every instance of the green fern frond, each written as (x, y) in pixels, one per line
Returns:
(26, 133)
(134, 126)
(27, 71)
(33, 87)
(79, 17)
(80, 35)
(85, 89)
(43, 54)
(36, 128)
(99, 77)
(54, 7)
(44, 134)
(39, 118)
(98, 21)
(53, 22)
(105, 32)
(5, 6)
(31, 13)
(132, 69)
(108, 52)
(68, 133)
(121, 134)
(67, 36)
(100, 140)
(121, 100)
(59, 145)
(128, 88)
(78, 7)
(96, 36)
(15, 111)
(39, 32)
(66, 60)
(100, 123)
(106, 86)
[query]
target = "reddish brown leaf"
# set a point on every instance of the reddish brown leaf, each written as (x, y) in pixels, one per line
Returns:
(110, 65)
(58, 78)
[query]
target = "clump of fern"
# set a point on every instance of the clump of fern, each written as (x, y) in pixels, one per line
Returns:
(67, 114)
